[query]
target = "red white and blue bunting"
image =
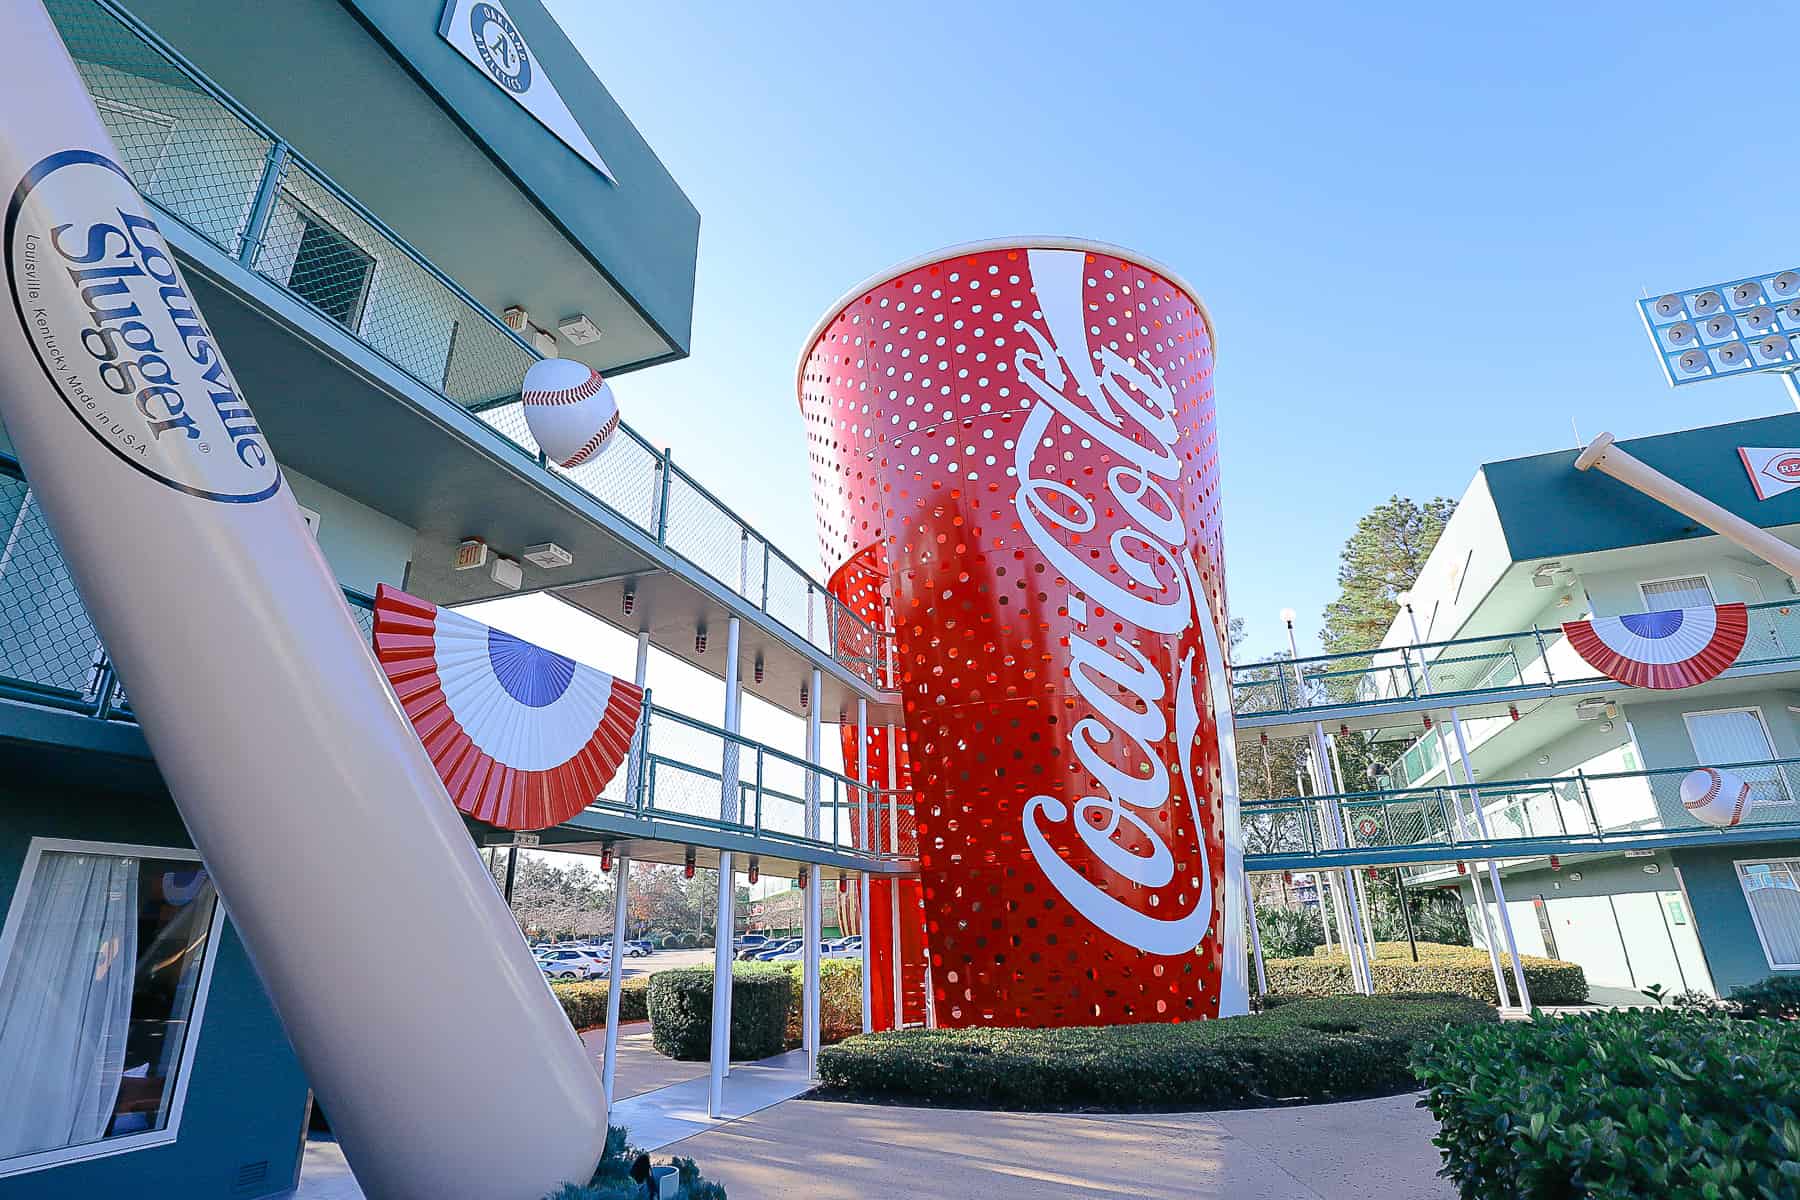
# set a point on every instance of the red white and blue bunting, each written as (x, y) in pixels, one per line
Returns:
(522, 738)
(1673, 648)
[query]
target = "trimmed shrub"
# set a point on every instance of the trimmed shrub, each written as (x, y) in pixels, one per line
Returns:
(670, 941)
(681, 1011)
(1464, 970)
(1605, 1105)
(840, 1001)
(1777, 996)
(585, 1001)
(1315, 1049)
(690, 941)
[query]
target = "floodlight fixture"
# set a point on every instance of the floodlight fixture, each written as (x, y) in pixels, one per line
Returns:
(1739, 327)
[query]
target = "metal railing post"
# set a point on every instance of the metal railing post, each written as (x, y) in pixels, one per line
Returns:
(662, 504)
(104, 687)
(765, 586)
(1587, 798)
(759, 791)
(263, 206)
(1543, 653)
(1412, 684)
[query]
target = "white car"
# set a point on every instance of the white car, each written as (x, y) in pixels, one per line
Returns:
(850, 947)
(570, 964)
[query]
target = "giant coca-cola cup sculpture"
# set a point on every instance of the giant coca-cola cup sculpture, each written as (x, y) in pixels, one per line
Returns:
(1016, 464)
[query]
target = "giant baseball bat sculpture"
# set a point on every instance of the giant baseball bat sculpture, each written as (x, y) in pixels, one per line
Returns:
(449, 1070)
(1603, 454)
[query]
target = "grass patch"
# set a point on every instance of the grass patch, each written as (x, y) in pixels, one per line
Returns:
(1301, 1051)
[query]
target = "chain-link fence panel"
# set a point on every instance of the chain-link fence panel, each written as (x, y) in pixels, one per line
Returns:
(184, 149)
(46, 639)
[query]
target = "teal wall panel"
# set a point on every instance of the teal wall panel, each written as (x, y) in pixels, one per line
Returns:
(246, 1098)
(1727, 933)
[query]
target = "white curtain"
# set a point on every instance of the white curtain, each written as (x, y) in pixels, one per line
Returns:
(65, 1002)
(1738, 737)
(1773, 890)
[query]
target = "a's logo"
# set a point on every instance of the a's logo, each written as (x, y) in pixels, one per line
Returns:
(118, 335)
(1772, 470)
(501, 48)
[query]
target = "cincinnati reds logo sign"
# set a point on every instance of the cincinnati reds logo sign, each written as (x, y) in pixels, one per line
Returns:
(501, 47)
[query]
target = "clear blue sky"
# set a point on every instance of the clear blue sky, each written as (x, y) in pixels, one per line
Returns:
(1420, 232)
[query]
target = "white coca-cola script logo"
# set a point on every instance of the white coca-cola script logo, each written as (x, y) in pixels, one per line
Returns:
(1149, 549)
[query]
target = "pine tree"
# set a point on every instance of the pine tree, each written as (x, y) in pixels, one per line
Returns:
(1382, 559)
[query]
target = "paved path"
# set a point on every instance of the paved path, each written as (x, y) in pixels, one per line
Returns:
(1364, 1150)
(640, 1068)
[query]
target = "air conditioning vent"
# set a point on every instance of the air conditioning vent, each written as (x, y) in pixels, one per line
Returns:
(251, 1177)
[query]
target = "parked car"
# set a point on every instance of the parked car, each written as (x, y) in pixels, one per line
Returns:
(638, 948)
(776, 949)
(751, 948)
(850, 947)
(565, 963)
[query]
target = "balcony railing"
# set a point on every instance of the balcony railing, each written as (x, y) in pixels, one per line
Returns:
(212, 165)
(51, 655)
(1580, 806)
(1461, 669)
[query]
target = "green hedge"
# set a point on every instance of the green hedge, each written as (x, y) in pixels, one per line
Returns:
(1315, 1049)
(1464, 970)
(585, 1001)
(681, 1011)
(1614, 1105)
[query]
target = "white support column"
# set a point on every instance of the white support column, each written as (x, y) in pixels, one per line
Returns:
(724, 922)
(814, 925)
(862, 899)
(1361, 884)
(634, 766)
(1506, 926)
(1262, 978)
(609, 1060)
(719, 1054)
(893, 825)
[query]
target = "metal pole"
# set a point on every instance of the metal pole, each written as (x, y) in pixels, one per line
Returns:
(1362, 890)
(1262, 978)
(719, 1052)
(862, 899)
(724, 923)
(809, 955)
(609, 1060)
(893, 815)
(1506, 927)
(1406, 912)
(512, 867)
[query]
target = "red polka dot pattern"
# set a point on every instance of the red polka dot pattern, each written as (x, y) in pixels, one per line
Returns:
(1044, 599)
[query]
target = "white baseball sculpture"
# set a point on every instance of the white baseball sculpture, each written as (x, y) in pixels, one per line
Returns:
(1714, 796)
(570, 410)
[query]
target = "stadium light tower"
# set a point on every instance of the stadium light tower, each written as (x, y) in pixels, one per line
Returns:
(1740, 327)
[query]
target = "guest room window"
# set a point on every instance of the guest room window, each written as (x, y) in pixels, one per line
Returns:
(1772, 889)
(105, 961)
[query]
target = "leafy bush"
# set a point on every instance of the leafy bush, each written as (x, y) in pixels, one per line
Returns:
(690, 941)
(1777, 996)
(1289, 932)
(1316, 1049)
(1615, 1105)
(585, 1001)
(1463, 970)
(681, 1011)
(670, 941)
(840, 1001)
(612, 1178)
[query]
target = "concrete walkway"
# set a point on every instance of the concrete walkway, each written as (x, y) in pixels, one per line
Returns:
(1363, 1150)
